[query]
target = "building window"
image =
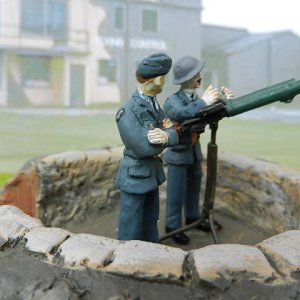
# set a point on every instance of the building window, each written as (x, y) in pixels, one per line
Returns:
(149, 20)
(107, 71)
(44, 17)
(35, 71)
(119, 17)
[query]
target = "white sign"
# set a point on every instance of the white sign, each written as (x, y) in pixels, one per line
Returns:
(148, 44)
(118, 42)
(113, 42)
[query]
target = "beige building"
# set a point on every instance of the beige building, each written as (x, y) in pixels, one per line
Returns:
(44, 52)
(84, 52)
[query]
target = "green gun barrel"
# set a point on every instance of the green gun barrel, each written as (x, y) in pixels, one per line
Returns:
(283, 92)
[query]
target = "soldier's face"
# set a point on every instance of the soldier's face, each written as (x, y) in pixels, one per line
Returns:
(192, 83)
(154, 86)
(197, 81)
(158, 84)
(160, 81)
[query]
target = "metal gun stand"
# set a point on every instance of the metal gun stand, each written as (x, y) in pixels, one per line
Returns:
(210, 188)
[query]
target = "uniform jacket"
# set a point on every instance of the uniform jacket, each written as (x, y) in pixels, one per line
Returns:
(140, 171)
(179, 108)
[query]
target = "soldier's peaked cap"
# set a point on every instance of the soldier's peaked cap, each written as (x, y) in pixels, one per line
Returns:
(154, 65)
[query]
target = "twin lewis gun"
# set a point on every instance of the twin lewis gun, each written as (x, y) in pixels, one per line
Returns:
(282, 92)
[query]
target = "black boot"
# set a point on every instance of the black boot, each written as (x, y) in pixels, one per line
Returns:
(179, 238)
(203, 226)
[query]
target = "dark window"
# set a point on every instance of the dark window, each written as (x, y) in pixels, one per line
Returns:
(44, 17)
(35, 71)
(149, 20)
(107, 71)
(119, 17)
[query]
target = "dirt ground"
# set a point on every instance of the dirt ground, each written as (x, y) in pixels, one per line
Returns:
(234, 231)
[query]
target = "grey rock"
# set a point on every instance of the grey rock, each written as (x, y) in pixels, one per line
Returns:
(44, 239)
(143, 259)
(284, 252)
(229, 261)
(14, 223)
(87, 250)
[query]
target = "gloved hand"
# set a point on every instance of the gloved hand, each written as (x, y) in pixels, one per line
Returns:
(211, 95)
(167, 123)
(227, 92)
(157, 136)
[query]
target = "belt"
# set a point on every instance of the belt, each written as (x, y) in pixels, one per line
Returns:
(140, 158)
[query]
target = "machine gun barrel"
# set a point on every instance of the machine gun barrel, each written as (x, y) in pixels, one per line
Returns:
(283, 92)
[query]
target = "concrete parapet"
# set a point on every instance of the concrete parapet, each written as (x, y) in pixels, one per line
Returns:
(218, 265)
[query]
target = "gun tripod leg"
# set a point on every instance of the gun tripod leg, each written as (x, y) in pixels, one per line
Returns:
(211, 181)
(213, 226)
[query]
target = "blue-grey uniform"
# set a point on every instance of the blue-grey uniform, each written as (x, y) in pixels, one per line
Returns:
(141, 171)
(184, 162)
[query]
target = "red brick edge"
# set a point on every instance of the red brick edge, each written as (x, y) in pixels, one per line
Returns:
(21, 191)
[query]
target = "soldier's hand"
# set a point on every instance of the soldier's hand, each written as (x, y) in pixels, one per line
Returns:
(167, 123)
(157, 136)
(211, 95)
(227, 93)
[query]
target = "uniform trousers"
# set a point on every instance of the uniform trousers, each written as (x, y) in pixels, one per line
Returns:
(138, 216)
(183, 191)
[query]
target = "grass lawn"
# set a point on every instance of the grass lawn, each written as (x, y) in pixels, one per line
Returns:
(4, 177)
(23, 137)
(273, 141)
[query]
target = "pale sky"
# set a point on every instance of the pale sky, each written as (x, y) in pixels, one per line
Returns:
(254, 15)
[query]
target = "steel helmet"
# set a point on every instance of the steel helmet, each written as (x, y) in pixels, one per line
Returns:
(186, 68)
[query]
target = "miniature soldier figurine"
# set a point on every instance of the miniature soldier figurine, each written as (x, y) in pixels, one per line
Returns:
(184, 160)
(145, 132)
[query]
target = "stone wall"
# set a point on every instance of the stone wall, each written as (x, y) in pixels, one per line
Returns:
(65, 186)
(73, 185)
(259, 192)
(70, 185)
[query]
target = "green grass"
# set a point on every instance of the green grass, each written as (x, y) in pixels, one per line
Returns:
(4, 177)
(24, 137)
(272, 141)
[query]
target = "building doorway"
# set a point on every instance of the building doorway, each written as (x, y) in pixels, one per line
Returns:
(77, 85)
